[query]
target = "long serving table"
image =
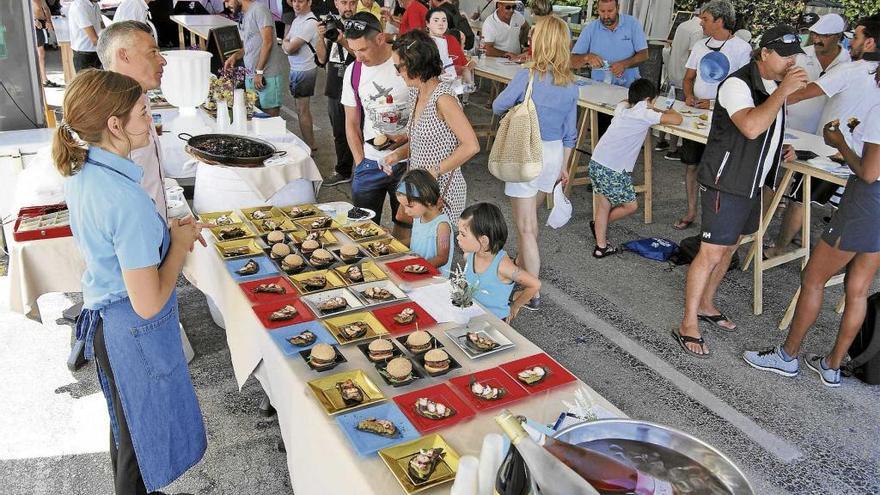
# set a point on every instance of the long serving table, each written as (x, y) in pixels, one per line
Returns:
(199, 27)
(320, 458)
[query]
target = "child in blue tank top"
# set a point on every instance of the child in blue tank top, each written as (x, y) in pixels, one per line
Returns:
(482, 233)
(431, 238)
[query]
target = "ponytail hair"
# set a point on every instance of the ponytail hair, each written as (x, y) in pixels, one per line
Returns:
(90, 100)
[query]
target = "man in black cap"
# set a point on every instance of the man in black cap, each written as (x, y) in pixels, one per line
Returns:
(742, 155)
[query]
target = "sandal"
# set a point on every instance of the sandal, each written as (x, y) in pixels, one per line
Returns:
(683, 340)
(682, 224)
(716, 320)
(608, 250)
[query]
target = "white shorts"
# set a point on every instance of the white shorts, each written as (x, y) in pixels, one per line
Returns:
(544, 182)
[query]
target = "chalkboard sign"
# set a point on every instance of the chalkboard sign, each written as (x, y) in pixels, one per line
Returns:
(224, 41)
(679, 17)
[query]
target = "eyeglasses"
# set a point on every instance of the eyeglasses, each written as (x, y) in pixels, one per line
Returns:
(397, 67)
(785, 38)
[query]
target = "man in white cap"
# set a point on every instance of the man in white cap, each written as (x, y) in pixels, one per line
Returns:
(505, 32)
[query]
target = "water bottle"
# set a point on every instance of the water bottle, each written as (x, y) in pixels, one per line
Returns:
(670, 97)
(481, 50)
(609, 77)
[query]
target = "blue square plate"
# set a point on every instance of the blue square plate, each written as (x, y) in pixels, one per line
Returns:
(367, 444)
(267, 268)
(280, 336)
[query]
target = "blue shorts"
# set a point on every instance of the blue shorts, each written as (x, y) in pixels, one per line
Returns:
(614, 185)
(302, 83)
(270, 95)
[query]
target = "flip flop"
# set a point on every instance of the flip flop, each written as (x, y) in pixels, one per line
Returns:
(683, 340)
(682, 224)
(716, 320)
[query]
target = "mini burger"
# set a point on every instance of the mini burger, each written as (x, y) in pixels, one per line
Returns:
(291, 262)
(275, 237)
(322, 355)
(280, 250)
(348, 252)
(309, 246)
(380, 350)
(399, 370)
(321, 257)
(436, 361)
(418, 341)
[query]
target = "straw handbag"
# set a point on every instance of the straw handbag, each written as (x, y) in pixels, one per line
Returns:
(517, 154)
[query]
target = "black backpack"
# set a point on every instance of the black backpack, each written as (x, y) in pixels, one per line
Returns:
(865, 349)
(688, 249)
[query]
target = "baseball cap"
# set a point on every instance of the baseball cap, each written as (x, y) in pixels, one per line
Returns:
(829, 24)
(807, 19)
(782, 39)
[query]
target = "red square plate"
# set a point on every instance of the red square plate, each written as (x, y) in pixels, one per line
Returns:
(303, 313)
(437, 393)
(495, 377)
(398, 266)
(264, 297)
(386, 314)
(556, 374)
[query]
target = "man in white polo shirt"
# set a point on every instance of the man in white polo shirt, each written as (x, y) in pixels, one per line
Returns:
(505, 32)
(85, 26)
(135, 10)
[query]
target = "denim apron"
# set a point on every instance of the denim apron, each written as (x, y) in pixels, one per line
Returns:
(153, 383)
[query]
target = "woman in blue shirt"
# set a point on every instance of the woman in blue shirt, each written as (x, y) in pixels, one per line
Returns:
(555, 96)
(129, 321)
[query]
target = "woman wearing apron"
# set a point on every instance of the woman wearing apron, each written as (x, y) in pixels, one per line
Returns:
(130, 321)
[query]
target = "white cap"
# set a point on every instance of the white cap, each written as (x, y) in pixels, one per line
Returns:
(829, 24)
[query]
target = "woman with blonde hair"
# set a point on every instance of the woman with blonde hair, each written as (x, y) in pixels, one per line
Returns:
(129, 322)
(555, 96)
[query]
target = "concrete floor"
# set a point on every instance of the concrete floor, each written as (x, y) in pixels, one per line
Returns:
(607, 320)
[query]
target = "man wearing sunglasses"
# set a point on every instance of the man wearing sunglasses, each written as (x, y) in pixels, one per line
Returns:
(370, 82)
(742, 156)
(506, 31)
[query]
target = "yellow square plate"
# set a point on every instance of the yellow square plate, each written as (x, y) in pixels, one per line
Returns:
(252, 248)
(213, 216)
(281, 223)
(376, 328)
(248, 232)
(269, 211)
(373, 231)
(328, 396)
(334, 281)
(397, 247)
(326, 238)
(370, 269)
(397, 458)
(306, 223)
(305, 211)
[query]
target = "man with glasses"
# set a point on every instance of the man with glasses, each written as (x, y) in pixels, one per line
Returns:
(506, 31)
(742, 155)
(370, 82)
(263, 58)
(339, 57)
(615, 38)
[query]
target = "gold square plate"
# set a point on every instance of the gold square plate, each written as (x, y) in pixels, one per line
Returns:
(248, 232)
(397, 247)
(376, 327)
(306, 223)
(334, 281)
(270, 211)
(309, 210)
(212, 217)
(251, 244)
(326, 238)
(370, 269)
(397, 458)
(328, 396)
(375, 231)
(282, 223)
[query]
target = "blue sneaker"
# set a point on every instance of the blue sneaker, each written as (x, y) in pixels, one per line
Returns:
(830, 377)
(772, 360)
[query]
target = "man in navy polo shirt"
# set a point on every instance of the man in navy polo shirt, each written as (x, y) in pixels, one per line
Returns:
(616, 38)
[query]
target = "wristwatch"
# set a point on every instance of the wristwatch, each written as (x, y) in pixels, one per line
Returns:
(260, 72)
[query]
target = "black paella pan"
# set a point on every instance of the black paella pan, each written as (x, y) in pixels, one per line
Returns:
(229, 149)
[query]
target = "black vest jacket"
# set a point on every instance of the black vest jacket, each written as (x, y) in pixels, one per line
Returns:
(732, 162)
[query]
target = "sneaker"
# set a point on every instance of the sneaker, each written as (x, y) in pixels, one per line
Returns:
(534, 304)
(772, 360)
(830, 377)
(336, 179)
(661, 145)
(674, 156)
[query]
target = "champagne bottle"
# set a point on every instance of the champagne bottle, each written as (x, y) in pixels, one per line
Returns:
(552, 476)
(513, 476)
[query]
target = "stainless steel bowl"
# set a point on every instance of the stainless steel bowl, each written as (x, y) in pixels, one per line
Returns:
(652, 434)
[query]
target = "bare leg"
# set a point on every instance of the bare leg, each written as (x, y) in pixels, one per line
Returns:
(824, 262)
(272, 112)
(699, 273)
(41, 63)
(601, 218)
(707, 301)
(791, 225)
(690, 185)
(526, 219)
(859, 275)
(304, 114)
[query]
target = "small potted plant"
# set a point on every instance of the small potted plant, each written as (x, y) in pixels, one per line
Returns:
(462, 294)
